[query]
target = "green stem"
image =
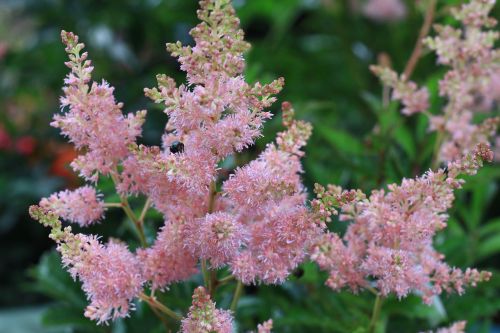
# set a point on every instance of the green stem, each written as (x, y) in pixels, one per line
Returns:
(237, 295)
(113, 204)
(130, 214)
(225, 280)
(437, 149)
(205, 273)
(145, 209)
(209, 275)
(375, 314)
(137, 222)
(212, 283)
(154, 303)
(211, 197)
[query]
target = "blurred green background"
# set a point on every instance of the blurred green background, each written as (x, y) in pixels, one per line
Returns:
(323, 49)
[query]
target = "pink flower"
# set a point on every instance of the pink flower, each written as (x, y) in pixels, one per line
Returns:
(168, 260)
(269, 200)
(458, 327)
(468, 86)
(218, 237)
(413, 98)
(94, 120)
(110, 275)
(390, 238)
(384, 10)
(265, 327)
(83, 205)
(149, 171)
(203, 317)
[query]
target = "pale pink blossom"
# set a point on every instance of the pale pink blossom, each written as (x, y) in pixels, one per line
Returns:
(204, 317)
(168, 260)
(269, 200)
(469, 84)
(83, 205)
(148, 171)
(93, 121)
(384, 10)
(217, 237)
(457, 327)
(265, 327)
(390, 238)
(413, 98)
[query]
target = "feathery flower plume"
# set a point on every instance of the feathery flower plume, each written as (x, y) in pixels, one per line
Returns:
(110, 273)
(384, 10)
(204, 317)
(83, 205)
(94, 121)
(217, 113)
(168, 260)
(414, 99)
(218, 237)
(265, 327)
(269, 199)
(390, 238)
(468, 86)
(458, 327)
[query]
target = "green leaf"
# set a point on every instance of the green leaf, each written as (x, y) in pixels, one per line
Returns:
(489, 246)
(491, 227)
(341, 141)
(405, 139)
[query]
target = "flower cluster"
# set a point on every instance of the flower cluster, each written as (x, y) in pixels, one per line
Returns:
(257, 222)
(384, 10)
(110, 274)
(94, 121)
(389, 242)
(469, 86)
(458, 327)
(204, 317)
(414, 99)
(83, 205)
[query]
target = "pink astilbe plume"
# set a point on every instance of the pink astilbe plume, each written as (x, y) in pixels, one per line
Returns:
(83, 205)
(269, 199)
(204, 317)
(218, 237)
(145, 171)
(468, 86)
(390, 238)
(413, 98)
(168, 260)
(458, 327)
(384, 10)
(259, 223)
(110, 274)
(94, 121)
(217, 113)
(265, 327)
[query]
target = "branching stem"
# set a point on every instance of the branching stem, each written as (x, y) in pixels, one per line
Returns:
(424, 31)
(375, 314)
(237, 295)
(154, 303)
